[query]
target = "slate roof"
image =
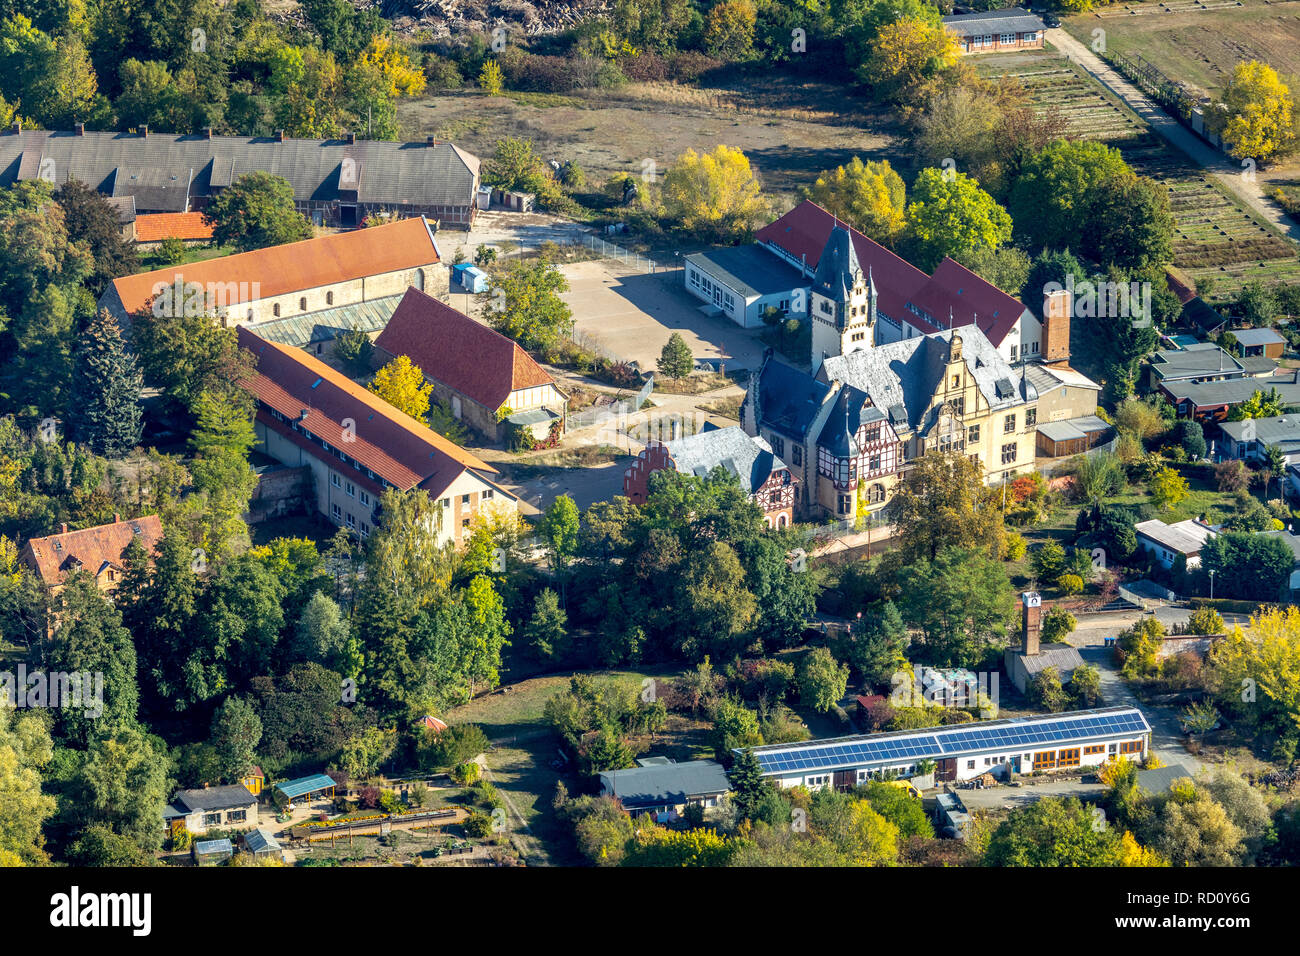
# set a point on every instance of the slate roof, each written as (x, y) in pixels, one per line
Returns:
(749, 459)
(156, 227)
(838, 268)
(1008, 20)
(852, 410)
(789, 399)
(124, 206)
(57, 555)
(665, 784)
(952, 296)
(308, 328)
(166, 172)
(213, 798)
(905, 375)
(388, 442)
(279, 270)
(458, 351)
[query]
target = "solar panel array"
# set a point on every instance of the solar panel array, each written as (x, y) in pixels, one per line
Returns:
(945, 742)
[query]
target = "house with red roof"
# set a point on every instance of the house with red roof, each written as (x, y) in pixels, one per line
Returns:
(189, 227)
(884, 298)
(356, 445)
(487, 380)
(98, 551)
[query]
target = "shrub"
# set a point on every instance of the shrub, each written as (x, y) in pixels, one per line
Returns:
(1071, 583)
(1015, 546)
(465, 774)
(478, 825)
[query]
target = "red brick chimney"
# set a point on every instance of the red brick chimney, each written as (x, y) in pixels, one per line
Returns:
(1031, 621)
(1057, 307)
(63, 527)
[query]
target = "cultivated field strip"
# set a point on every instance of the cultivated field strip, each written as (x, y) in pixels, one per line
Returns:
(1215, 234)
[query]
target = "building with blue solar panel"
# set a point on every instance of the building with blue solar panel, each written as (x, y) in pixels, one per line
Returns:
(1003, 748)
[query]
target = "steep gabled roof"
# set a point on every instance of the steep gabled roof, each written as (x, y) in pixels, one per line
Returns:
(57, 555)
(905, 292)
(789, 399)
(389, 442)
(461, 353)
(279, 270)
(750, 459)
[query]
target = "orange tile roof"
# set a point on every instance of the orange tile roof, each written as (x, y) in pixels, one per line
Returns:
(58, 555)
(279, 270)
(172, 225)
(387, 441)
(483, 365)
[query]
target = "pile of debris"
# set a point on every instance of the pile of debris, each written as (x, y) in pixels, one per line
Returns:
(439, 19)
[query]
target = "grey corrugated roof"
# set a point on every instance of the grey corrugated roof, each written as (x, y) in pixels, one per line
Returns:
(1257, 337)
(1061, 656)
(164, 171)
(749, 459)
(907, 373)
(665, 784)
(1061, 431)
(1186, 537)
(309, 327)
(1172, 364)
(1009, 20)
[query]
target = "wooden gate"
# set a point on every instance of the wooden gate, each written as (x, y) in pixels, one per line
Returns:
(947, 769)
(844, 779)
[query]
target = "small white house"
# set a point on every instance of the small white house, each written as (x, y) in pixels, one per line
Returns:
(1167, 541)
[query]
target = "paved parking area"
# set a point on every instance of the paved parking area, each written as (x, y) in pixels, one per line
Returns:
(631, 315)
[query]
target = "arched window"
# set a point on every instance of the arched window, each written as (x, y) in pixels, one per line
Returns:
(302, 304)
(329, 298)
(781, 521)
(417, 279)
(876, 493)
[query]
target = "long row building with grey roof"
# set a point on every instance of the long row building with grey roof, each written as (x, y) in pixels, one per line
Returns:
(336, 182)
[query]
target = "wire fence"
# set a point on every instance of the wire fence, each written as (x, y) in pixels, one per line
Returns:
(609, 250)
(616, 413)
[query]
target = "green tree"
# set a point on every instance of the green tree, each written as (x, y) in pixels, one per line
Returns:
(943, 502)
(1168, 488)
(90, 218)
(1131, 225)
(748, 785)
(547, 630)
(524, 304)
(188, 355)
(900, 808)
(122, 787)
(236, 732)
(734, 725)
(1052, 832)
(107, 416)
(822, 680)
(353, 348)
(1048, 561)
(949, 215)
(1051, 200)
(962, 601)
(1046, 692)
(25, 752)
(1057, 624)
(1085, 686)
(257, 210)
(676, 361)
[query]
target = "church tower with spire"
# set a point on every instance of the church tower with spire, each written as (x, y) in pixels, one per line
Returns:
(842, 300)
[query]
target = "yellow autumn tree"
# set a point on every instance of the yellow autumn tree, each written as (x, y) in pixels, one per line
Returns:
(392, 63)
(1257, 115)
(713, 195)
(490, 79)
(1132, 853)
(729, 30)
(869, 196)
(402, 385)
(906, 54)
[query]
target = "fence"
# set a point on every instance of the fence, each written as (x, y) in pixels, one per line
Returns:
(608, 250)
(615, 413)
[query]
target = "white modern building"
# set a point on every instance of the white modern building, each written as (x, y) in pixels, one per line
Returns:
(1043, 742)
(1168, 541)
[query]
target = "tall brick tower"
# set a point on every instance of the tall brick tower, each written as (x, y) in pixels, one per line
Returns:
(1031, 621)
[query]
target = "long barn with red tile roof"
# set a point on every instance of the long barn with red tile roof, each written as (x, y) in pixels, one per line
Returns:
(481, 375)
(357, 445)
